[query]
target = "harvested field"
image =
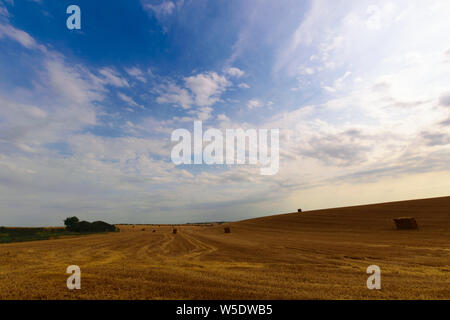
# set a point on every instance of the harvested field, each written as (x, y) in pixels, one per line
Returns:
(319, 254)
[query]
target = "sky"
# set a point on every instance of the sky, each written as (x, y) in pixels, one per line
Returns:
(358, 89)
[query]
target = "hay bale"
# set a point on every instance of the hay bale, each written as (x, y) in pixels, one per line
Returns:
(406, 223)
(154, 230)
(299, 210)
(174, 231)
(143, 229)
(227, 230)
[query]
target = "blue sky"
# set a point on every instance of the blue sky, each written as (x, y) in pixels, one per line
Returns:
(358, 89)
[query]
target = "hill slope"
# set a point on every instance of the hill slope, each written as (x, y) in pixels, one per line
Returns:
(319, 254)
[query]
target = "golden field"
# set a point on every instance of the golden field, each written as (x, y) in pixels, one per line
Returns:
(319, 254)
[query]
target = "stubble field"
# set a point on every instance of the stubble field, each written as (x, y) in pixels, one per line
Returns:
(312, 255)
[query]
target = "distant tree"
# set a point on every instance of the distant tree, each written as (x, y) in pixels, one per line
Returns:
(83, 226)
(71, 223)
(100, 226)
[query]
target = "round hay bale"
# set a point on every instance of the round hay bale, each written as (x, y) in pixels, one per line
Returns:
(227, 229)
(406, 223)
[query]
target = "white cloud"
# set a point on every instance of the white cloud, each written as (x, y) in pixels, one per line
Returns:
(203, 113)
(53, 112)
(379, 17)
(6, 30)
(254, 103)
(3, 11)
(129, 100)
(338, 84)
(201, 90)
(326, 38)
(111, 77)
(173, 94)
(308, 71)
(49, 170)
(235, 72)
(164, 8)
(222, 117)
(243, 86)
(389, 114)
(206, 87)
(394, 122)
(72, 83)
(60, 101)
(137, 73)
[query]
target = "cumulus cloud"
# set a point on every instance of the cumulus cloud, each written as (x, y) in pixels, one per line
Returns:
(254, 103)
(222, 117)
(173, 94)
(203, 113)
(202, 90)
(57, 170)
(207, 87)
(235, 72)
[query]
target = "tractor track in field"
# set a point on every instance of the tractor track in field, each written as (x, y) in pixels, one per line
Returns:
(201, 248)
